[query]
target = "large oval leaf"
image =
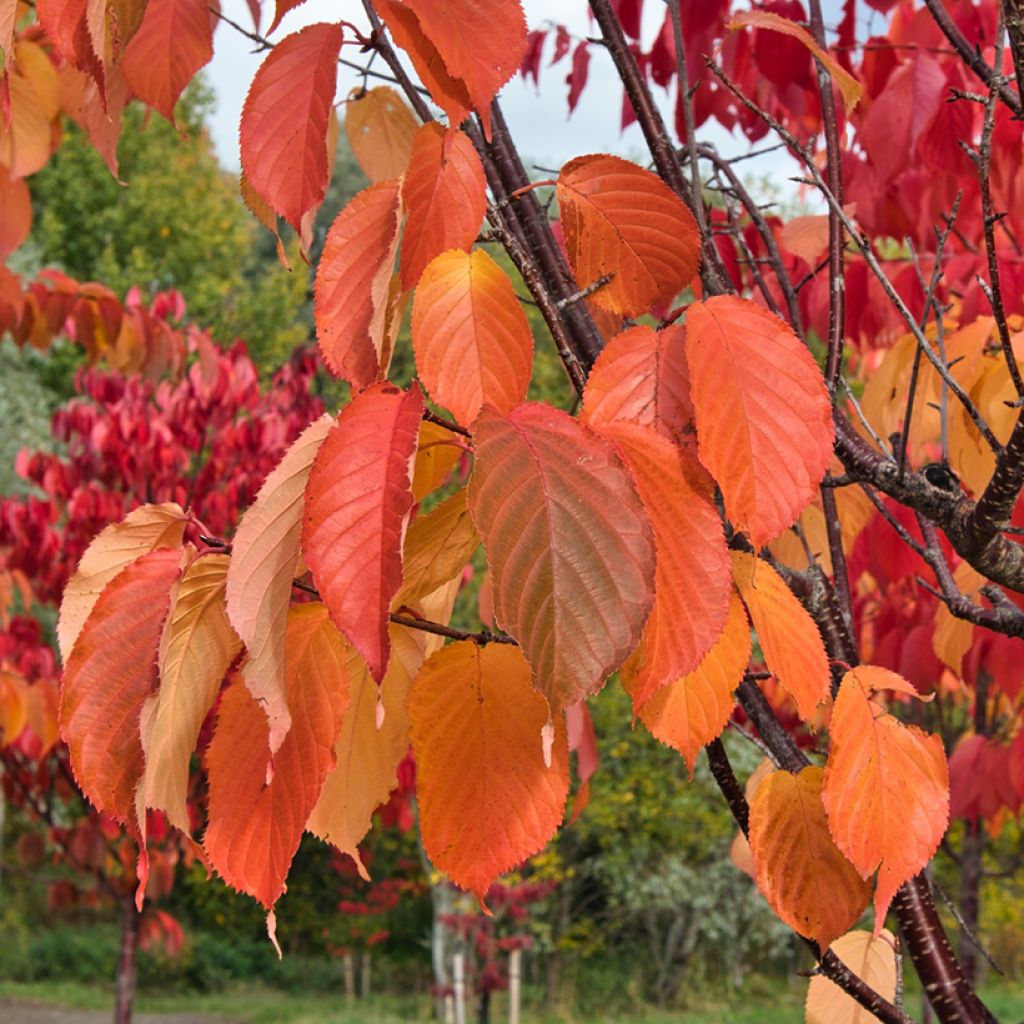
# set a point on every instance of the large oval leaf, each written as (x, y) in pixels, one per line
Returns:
(569, 546)
(764, 420)
(473, 343)
(624, 221)
(873, 960)
(487, 800)
(380, 129)
(358, 500)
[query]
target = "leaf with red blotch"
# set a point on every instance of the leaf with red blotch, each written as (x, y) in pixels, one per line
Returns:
(692, 580)
(110, 673)
(264, 556)
(569, 546)
(16, 222)
(255, 826)
(173, 42)
(144, 529)
(624, 221)
(380, 129)
(886, 785)
(805, 879)
(472, 341)
(873, 960)
(579, 70)
(764, 419)
(358, 500)
(350, 293)
(196, 650)
(445, 194)
(641, 376)
(487, 800)
(579, 727)
(690, 712)
(789, 639)
(285, 121)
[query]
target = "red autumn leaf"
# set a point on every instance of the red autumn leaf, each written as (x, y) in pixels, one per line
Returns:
(281, 8)
(255, 826)
(624, 221)
(473, 343)
(789, 639)
(579, 727)
(380, 129)
(358, 500)
(886, 785)
(445, 194)
(285, 121)
(353, 277)
(568, 545)
(764, 420)
(80, 100)
(487, 800)
(65, 26)
(579, 70)
(173, 42)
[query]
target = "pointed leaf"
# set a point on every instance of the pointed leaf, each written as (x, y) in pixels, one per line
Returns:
(806, 880)
(350, 293)
(358, 501)
(144, 529)
(568, 545)
(264, 557)
(380, 129)
(26, 137)
(764, 420)
(16, 204)
(886, 786)
(873, 960)
(789, 638)
(622, 220)
(472, 341)
(486, 799)
(255, 827)
(437, 452)
(285, 121)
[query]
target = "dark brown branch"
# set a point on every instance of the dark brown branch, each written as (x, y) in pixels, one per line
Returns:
(484, 636)
(443, 421)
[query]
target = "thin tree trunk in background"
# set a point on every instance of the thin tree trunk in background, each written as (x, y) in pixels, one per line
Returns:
(515, 970)
(555, 957)
(349, 967)
(125, 993)
(364, 974)
(459, 977)
(970, 897)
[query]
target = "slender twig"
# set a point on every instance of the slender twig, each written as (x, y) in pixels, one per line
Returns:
(974, 940)
(444, 421)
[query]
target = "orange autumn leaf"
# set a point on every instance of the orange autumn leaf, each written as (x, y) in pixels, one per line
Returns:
(886, 785)
(789, 639)
(26, 138)
(803, 876)
(437, 452)
(952, 637)
(487, 800)
(13, 707)
(624, 221)
(16, 203)
(380, 129)
(806, 237)
(764, 419)
(873, 960)
(692, 711)
(472, 341)
(255, 825)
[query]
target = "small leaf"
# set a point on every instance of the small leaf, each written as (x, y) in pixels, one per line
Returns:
(437, 452)
(805, 879)
(16, 202)
(952, 637)
(622, 220)
(873, 960)
(380, 129)
(472, 341)
(487, 801)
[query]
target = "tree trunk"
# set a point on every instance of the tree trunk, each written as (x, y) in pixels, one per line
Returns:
(970, 897)
(125, 993)
(349, 967)
(364, 974)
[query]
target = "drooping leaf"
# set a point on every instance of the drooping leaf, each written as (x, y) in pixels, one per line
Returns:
(255, 827)
(764, 420)
(13, 707)
(358, 500)
(487, 801)
(445, 194)
(350, 293)
(472, 341)
(380, 129)
(952, 637)
(264, 557)
(568, 544)
(16, 222)
(437, 452)
(285, 121)
(81, 102)
(789, 638)
(873, 960)
(281, 8)
(579, 728)
(622, 220)
(690, 712)
(26, 139)
(806, 880)
(196, 650)
(886, 785)
(112, 25)
(144, 529)
(111, 671)
(641, 376)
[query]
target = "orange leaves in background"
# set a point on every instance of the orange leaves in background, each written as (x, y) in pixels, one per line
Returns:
(473, 343)
(285, 120)
(358, 500)
(380, 129)
(569, 547)
(624, 221)
(487, 800)
(764, 420)
(445, 194)
(873, 960)
(886, 785)
(810, 885)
